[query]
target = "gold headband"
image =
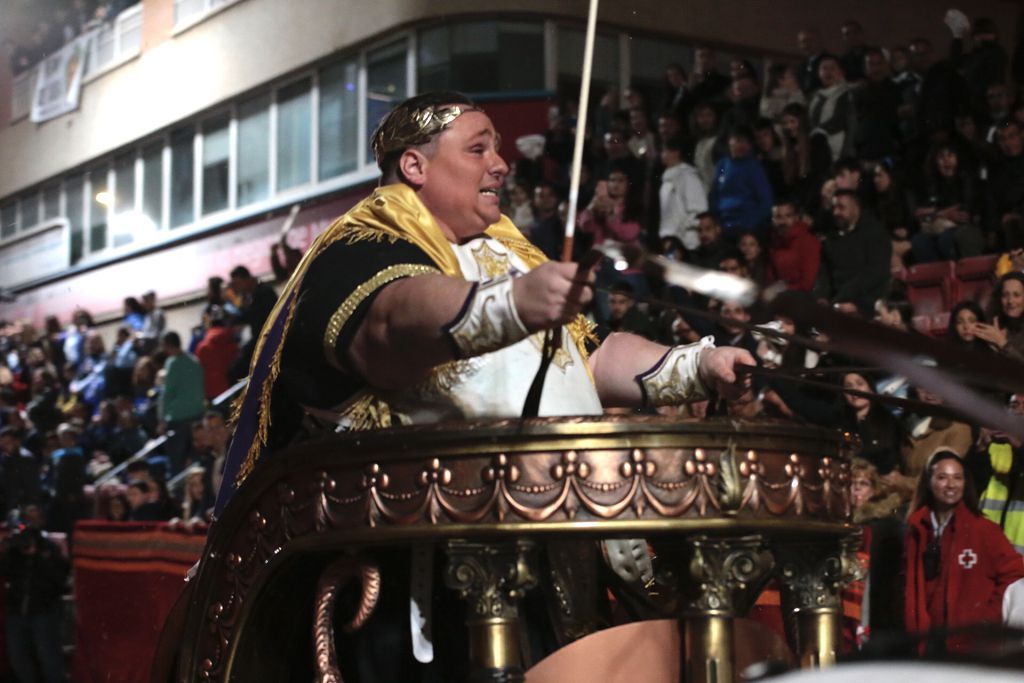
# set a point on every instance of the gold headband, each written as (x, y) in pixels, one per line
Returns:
(404, 128)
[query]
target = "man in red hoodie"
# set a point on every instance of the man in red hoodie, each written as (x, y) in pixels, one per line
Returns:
(794, 254)
(216, 352)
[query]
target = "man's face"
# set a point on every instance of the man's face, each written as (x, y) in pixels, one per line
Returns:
(8, 444)
(706, 119)
(668, 127)
(875, 67)
(544, 199)
(216, 431)
(1016, 404)
(737, 313)
(135, 497)
(241, 285)
(674, 76)
(852, 33)
(462, 177)
(920, 55)
(1009, 139)
(845, 211)
(848, 179)
(732, 266)
(783, 217)
(808, 42)
(615, 145)
(739, 146)
(743, 88)
(829, 72)
(638, 121)
(619, 304)
(704, 60)
(670, 158)
(998, 99)
(707, 231)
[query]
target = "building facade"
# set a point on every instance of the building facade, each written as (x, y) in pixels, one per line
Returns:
(201, 123)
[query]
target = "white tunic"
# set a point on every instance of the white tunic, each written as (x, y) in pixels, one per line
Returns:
(496, 384)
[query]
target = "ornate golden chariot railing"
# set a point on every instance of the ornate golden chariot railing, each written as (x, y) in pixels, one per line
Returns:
(729, 504)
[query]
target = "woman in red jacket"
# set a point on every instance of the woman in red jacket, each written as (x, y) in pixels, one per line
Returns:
(958, 564)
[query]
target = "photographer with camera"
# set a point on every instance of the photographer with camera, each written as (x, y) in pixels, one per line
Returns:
(35, 574)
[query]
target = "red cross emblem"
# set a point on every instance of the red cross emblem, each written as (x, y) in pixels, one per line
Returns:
(967, 558)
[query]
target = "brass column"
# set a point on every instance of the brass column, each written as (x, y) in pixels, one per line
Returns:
(492, 577)
(724, 577)
(812, 578)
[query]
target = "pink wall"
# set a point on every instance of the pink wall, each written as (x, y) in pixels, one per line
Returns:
(177, 272)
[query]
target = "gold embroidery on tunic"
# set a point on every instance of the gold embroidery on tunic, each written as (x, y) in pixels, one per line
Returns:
(358, 295)
(492, 263)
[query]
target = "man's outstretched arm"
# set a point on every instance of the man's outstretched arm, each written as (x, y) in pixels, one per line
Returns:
(632, 371)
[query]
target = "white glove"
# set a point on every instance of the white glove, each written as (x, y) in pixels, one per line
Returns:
(958, 23)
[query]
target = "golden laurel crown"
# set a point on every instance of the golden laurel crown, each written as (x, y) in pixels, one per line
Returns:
(404, 127)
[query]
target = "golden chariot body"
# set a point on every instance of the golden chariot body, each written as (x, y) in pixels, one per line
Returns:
(726, 505)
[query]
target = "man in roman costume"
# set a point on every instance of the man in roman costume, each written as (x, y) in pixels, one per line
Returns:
(424, 303)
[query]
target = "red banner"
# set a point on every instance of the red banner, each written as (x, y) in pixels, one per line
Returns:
(127, 577)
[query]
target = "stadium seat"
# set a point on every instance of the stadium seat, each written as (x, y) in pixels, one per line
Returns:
(929, 287)
(975, 279)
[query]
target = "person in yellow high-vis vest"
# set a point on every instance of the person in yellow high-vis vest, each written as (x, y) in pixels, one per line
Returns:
(1002, 499)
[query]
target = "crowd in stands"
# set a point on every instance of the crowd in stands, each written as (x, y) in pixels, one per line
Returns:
(64, 21)
(835, 176)
(71, 409)
(842, 176)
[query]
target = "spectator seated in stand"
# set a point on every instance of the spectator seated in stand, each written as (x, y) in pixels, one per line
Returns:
(624, 314)
(855, 256)
(741, 196)
(794, 254)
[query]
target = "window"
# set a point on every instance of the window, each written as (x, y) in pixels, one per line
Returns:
(570, 62)
(253, 150)
(339, 118)
(216, 146)
(8, 220)
(385, 84)
(152, 183)
(294, 134)
(124, 183)
(99, 203)
(124, 225)
(191, 11)
(482, 56)
(29, 210)
(182, 159)
(188, 10)
(51, 202)
(73, 195)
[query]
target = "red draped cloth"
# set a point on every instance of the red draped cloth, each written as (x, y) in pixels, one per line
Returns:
(127, 577)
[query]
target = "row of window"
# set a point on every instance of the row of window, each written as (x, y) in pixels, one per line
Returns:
(305, 134)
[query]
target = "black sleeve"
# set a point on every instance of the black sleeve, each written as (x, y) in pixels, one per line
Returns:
(342, 283)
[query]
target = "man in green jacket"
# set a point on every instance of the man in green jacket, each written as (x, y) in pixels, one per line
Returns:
(182, 400)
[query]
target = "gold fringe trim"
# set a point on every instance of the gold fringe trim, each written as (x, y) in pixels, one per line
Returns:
(367, 412)
(352, 234)
(352, 301)
(263, 429)
(583, 331)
